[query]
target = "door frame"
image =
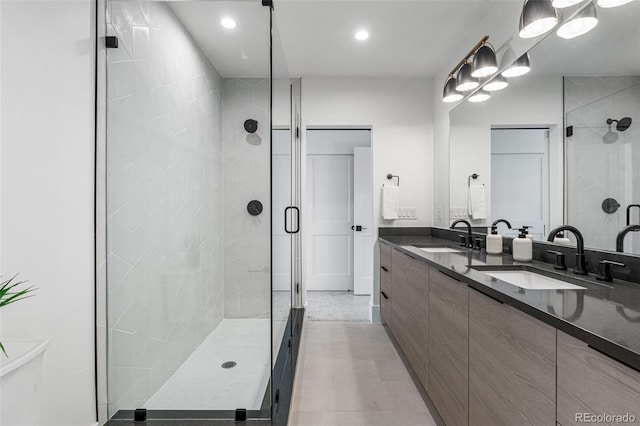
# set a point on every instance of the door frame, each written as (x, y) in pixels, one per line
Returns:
(304, 128)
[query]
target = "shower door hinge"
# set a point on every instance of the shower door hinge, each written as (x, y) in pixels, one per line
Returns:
(111, 42)
(297, 288)
(569, 131)
(140, 415)
(241, 415)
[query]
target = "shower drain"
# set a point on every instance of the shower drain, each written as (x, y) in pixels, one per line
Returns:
(229, 364)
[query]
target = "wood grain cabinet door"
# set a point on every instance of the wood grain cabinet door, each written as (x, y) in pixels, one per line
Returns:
(512, 366)
(410, 310)
(591, 383)
(449, 347)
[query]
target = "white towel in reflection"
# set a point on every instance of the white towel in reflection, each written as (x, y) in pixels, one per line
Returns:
(390, 202)
(477, 202)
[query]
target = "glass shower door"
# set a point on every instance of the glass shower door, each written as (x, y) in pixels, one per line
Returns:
(189, 261)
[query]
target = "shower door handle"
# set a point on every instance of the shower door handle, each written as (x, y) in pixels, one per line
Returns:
(286, 229)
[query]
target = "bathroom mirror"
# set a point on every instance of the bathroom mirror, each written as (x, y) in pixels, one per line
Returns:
(560, 144)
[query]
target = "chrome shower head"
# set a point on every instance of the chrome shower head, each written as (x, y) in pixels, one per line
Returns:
(621, 125)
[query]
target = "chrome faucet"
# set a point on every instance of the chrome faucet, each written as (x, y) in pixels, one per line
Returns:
(623, 233)
(469, 238)
(581, 260)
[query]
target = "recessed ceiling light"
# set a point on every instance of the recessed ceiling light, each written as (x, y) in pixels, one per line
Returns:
(362, 35)
(228, 23)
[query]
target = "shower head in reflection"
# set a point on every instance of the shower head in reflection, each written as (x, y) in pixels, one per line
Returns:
(609, 137)
(621, 125)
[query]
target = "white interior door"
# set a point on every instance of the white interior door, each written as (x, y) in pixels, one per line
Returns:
(281, 199)
(330, 217)
(519, 179)
(363, 217)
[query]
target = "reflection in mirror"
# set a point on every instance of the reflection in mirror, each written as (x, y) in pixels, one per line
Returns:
(586, 92)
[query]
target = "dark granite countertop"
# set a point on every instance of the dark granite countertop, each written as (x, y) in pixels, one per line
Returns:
(605, 316)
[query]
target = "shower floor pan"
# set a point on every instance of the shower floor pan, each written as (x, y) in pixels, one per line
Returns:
(201, 383)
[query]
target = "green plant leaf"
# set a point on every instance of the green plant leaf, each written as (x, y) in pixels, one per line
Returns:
(10, 294)
(3, 351)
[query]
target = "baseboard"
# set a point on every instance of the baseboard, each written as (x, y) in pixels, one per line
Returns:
(374, 314)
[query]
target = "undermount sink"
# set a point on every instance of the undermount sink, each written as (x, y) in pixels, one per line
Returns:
(439, 250)
(526, 277)
(533, 281)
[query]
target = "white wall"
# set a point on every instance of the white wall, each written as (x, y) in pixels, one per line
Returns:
(399, 113)
(46, 229)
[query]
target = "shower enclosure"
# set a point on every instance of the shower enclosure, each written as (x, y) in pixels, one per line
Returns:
(602, 157)
(194, 329)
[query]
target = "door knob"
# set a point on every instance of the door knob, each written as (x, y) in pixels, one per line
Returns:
(357, 228)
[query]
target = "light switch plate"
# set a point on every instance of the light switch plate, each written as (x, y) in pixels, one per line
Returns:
(458, 213)
(407, 213)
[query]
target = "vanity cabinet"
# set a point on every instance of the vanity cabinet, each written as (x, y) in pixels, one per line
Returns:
(410, 310)
(449, 347)
(512, 365)
(591, 382)
(385, 283)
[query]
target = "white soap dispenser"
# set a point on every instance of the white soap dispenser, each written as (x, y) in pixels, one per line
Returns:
(522, 247)
(561, 239)
(494, 240)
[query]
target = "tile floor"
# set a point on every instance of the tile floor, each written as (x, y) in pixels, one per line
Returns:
(350, 374)
(337, 306)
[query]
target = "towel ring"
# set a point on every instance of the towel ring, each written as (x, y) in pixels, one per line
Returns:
(390, 176)
(474, 177)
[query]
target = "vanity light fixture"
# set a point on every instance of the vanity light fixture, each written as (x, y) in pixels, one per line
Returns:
(484, 62)
(583, 22)
(612, 3)
(450, 93)
(228, 23)
(520, 67)
(497, 83)
(559, 4)
(537, 17)
(461, 79)
(479, 96)
(465, 81)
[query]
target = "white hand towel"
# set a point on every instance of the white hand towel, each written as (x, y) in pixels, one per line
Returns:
(477, 202)
(390, 202)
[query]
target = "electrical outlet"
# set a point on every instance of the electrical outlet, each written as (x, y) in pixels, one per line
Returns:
(439, 214)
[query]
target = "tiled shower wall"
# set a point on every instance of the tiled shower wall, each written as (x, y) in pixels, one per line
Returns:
(247, 174)
(597, 170)
(164, 202)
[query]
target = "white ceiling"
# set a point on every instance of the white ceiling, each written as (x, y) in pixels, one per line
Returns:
(418, 38)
